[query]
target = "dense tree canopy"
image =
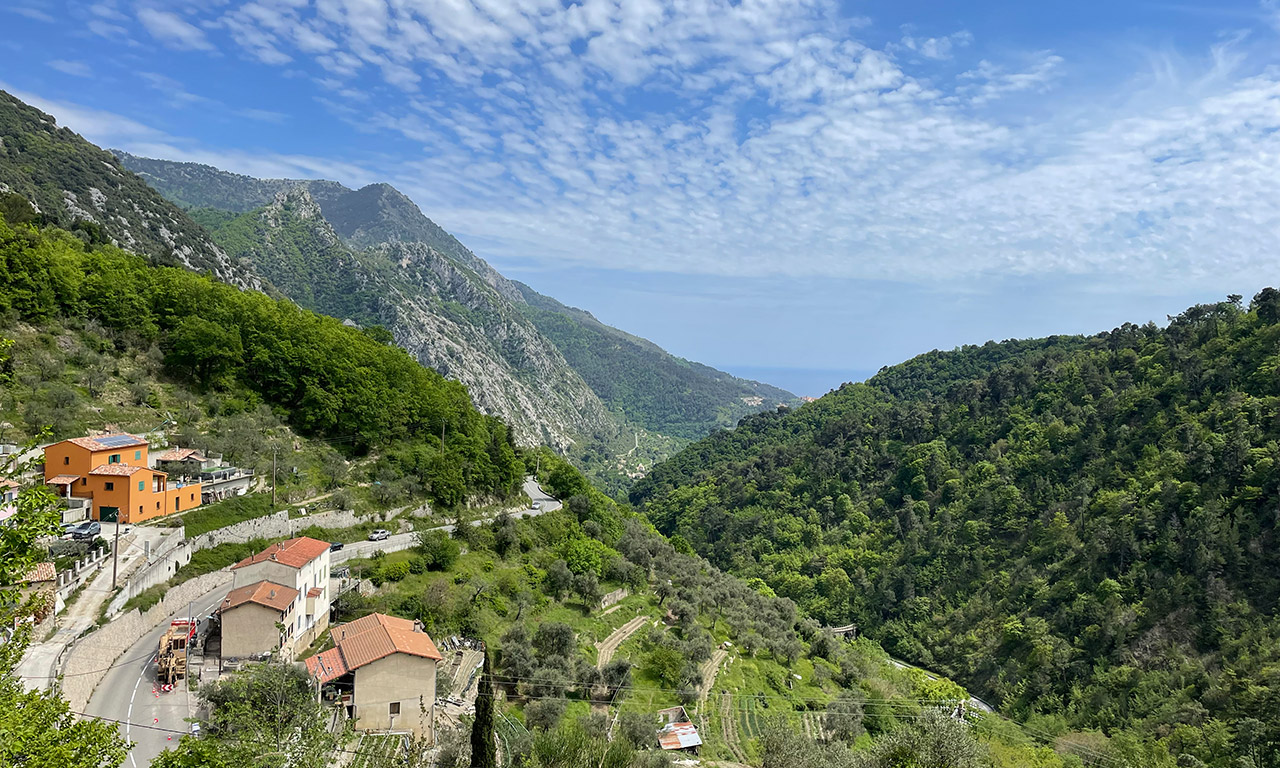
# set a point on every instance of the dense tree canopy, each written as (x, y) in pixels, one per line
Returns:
(328, 380)
(1081, 529)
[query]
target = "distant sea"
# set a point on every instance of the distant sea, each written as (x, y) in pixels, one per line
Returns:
(806, 382)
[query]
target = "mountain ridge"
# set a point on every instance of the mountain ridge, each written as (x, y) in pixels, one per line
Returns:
(675, 399)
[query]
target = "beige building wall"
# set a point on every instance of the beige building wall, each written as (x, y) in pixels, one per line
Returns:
(398, 678)
(270, 570)
(248, 630)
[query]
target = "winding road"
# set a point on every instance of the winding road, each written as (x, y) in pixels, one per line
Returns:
(154, 720)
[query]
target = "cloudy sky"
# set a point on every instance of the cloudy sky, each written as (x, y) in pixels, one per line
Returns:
(803, 190)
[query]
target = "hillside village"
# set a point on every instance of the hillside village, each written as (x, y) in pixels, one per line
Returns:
(236, 531)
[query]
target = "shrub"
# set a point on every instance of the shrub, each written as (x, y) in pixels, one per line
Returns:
(394, 571)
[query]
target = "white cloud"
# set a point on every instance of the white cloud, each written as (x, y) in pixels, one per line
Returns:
(73, 68)
(171, 30)
(752, 138)
(35, 14)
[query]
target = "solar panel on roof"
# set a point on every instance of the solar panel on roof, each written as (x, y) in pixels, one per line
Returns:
(117, 441)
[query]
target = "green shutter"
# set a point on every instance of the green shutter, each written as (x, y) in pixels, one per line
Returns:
(142, 485)
(137, 455)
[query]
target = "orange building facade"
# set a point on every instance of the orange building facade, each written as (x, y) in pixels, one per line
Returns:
(112, 471)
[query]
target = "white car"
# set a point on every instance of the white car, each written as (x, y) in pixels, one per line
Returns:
(537, 505)
(381, 534)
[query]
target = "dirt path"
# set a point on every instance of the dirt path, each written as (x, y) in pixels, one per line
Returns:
(709, 669)
(729, 728)
(609, 645)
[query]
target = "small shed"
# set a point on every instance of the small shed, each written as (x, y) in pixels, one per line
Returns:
(677, 733)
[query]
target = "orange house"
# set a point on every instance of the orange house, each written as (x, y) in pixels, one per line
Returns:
(113, 471)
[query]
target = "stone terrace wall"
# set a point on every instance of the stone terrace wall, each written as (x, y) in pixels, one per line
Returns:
(95, 654)
(276, 525)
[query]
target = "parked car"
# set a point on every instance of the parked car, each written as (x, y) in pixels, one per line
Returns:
(380, 535)
(86, 530)
(334, 546)
(537, 505)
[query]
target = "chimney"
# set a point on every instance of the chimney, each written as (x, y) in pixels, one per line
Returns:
(417, 626)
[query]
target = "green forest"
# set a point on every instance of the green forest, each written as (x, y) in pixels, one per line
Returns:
(324, 379)
(1082, 531)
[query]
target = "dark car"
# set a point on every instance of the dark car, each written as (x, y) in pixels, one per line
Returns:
(86, 530)
(334, 546)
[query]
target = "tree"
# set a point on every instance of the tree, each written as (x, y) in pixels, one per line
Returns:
(437, 549)
(484, 746)
(616, 675)
(554, 638)
(559, 579)
(37, 728)
(588, 588)
(844, 719)
(544, 714)
(266, 715)
(935, 739)
(666, 664)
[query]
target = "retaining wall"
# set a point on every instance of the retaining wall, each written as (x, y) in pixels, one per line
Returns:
(95, 654)
(276, 525)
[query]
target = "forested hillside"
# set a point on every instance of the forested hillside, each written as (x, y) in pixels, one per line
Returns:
(83, 188)
(548, 348)
(324, 379)
(1082, 530)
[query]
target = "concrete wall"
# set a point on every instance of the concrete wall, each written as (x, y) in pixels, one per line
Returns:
(250, 630)
(400, 677)
(96, 653)
(170, 554)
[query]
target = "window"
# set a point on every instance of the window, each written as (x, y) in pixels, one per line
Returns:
(394, 709)
(137, 455)
(113, 458)
(66, 459)
(109, 486)
(142, 485)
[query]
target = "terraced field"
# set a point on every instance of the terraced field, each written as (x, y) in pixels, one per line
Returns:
(376, 749)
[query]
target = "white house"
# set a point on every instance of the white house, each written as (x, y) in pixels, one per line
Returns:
(297, 568)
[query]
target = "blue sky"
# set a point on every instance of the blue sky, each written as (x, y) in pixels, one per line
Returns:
(800, 189)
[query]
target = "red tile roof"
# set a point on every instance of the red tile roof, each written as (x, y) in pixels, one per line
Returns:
(314, 592)
(8, 484)
(62, 479)
(368, 639)
(120, 470)
(294, 553)
(263, 592)
(94, 444)
(41, 572)
(178, 454)
(327, 665)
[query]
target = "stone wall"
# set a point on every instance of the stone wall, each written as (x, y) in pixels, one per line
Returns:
(276, 525)
(95, 654)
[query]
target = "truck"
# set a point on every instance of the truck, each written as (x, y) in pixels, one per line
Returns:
(171, 658)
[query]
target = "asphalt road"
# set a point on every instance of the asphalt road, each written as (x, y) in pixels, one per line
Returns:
(401, 541)
(129, 692)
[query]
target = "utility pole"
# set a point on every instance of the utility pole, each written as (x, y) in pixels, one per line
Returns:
(115, 552)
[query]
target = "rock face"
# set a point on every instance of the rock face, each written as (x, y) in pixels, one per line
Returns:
(435, 307)
(80, 187)
(555, 374)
